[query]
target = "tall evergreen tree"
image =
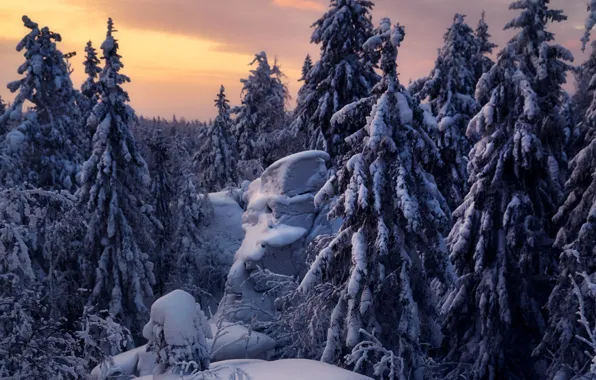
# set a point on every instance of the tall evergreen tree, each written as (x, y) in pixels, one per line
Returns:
(390, 245)
(306, 67)
(52, 153)
(581, 102)
(449, 90)
(499, 243)
(162, 191)
(483, 47)
(217, 158)
(566, 339)
(344, 74)
(115, 183)
(90, 87)
(263, 106)
(2, 106)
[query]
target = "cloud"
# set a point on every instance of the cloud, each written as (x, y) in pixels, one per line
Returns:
(308, 5)
(179, 51)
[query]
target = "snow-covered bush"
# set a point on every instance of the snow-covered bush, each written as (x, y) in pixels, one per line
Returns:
(177, 333)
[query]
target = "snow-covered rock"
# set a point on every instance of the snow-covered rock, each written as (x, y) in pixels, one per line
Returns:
(280, 221)
(225, 231)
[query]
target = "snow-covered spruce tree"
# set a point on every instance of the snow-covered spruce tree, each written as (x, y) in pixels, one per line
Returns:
(194, 269)
(35, 342)
(344, 74)
(163, 194)
(52, 153)
(499, 243)
(177, 333)
(262, 108)
(306, 67)
(90, 87)
(576, 239)
(585, 82)
(484, 46)
(216, 160)
(2, 106)
(449, 90)
(590, 22)
(390, 245)
(115, 183)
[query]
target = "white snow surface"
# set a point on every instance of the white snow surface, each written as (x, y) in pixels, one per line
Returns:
(232, 342)
(287, 369)
(238, 342)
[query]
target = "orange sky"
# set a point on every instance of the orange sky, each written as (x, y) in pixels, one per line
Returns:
(178, 52)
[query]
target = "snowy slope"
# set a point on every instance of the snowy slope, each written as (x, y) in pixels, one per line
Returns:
(288, 369)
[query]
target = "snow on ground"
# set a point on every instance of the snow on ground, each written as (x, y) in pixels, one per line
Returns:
(231, 342)
(234, 341)
(287, 369)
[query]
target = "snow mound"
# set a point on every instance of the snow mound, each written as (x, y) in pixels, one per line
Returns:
(287, 369)
(135, 362)
(234, 341)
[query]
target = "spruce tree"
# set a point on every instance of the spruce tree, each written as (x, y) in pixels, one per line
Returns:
(344, 74)
(90, 87)
(389, 246)
(449, 90)
(216, 160)
(52, 153)
(581, 102)
(115, 183)
(499, 243)
(306, 67)
(162, 192)
(262, 108)
(566, 339)
(483, 47)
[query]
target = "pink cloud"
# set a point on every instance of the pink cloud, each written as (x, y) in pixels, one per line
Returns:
(300, 4)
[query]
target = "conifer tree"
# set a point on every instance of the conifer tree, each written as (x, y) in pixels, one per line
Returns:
(90, 87)
(389, 246)
(262, 108)
(217, 158)
(162, 191)
(580, 104)
(499, 243)
(115, 183)
(52, 153)
(566, 339)
(344, 74)
(306, 67)
(449, 90)
(484, 46)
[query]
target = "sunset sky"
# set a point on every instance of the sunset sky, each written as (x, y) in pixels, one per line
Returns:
(178, 52)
